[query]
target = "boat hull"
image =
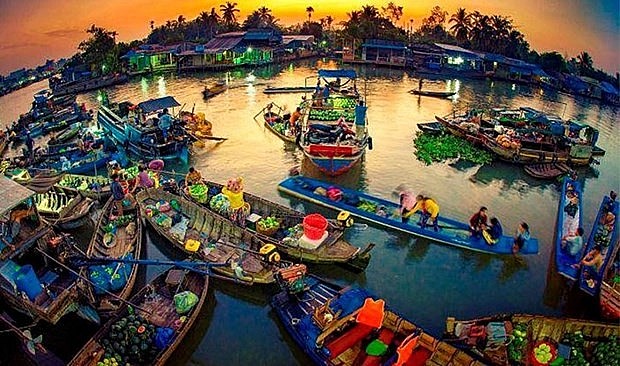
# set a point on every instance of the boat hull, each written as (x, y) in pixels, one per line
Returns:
(453, 233)
(567, 225)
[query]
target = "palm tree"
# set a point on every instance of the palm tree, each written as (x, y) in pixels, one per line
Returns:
(152, 24)
(180, 21)
(369, 13)
(229, 13)
(354, 16)
(585, 62)
(461, 25)
(393, 11)
(115, 33)
(309, 10)
(329, 20)
(264, 14)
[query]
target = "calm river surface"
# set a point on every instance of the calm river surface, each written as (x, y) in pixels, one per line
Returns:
(424, 281)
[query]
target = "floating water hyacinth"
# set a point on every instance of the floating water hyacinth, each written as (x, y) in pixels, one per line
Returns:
(439, 148)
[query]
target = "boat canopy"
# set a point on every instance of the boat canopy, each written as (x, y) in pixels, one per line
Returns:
(341, 73)
(12, 194)
(158, 104)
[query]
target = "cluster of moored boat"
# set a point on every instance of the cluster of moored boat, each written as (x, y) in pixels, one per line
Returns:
(46, 275)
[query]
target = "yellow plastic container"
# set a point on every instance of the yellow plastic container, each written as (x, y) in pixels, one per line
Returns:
(192, 245)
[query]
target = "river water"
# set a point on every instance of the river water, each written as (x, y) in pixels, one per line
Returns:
(424, 281)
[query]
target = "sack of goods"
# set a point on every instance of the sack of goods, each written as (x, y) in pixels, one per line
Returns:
(164, 221)
(199, 192)
(219, 203)
(185, 301)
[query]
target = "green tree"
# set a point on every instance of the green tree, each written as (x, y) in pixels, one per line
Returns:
(552, 62)
(393, 12)
(99, 49)
(462, 24)
(585, 63)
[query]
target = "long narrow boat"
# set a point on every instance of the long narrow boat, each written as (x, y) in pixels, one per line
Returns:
(340, 326)
(512, 339)
(120, 237)
(67, 135)
(333, 249)
(433, 128)
(610, 287)
(214, 89)
(66, 210)
(605, 235)
(207, 236)
(34, 281)
(288, 89)
(547, 170)
(432, 93)
(276, 124)
(35, 352)
(569, 220)
(93, 187)
(132, 336)
(452, 232)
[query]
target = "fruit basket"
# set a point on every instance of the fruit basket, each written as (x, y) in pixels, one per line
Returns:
(543, 353)
(267, 226)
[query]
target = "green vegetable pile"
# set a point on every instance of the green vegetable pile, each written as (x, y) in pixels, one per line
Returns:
(367, 206)
(268, 224)
(607, 353)
(330, 115)
(199, 192)
(118, 222)
(517, 347)
(278, 127)
(543, 353)
(438, 148)
(130, 340)
(346, 103)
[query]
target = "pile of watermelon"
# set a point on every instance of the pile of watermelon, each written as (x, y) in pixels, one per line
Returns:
(130, 340)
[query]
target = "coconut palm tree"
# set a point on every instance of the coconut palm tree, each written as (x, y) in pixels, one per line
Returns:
(152, 24)
(393, 11)
(229, 13)
(585, 62)
(329, 20)
(369, 13)
(309, 10)
(462, 24)
(181, 20)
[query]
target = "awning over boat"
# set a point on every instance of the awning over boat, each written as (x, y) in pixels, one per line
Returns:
(158, 104)
(343, 73)
(11, 194)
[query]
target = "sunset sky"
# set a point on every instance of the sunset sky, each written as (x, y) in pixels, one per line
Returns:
(32, 31)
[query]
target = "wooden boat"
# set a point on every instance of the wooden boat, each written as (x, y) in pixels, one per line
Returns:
(331, 156)
(48, 290)
(78, 162)
(604, 234)
(511, 339)
(67, 135)
(93, 187)
(566, 225)
(433, 128)
(126, 243)
(452, 232)
(218, 241)
(60, 88)
(31, 346)
(610, 287)
(66, 210)
(334, 249)
(336, 326)
(547, 170)
(432, 93)
(214, 89)
(288, 89)
(135, 128)
(275, 121)
(155, 307)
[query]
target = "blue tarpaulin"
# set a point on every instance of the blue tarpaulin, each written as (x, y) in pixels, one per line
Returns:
(342, 73)
(158, 104)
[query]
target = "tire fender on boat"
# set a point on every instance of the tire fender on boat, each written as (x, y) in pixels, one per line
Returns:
(515, 157)
(369, 143)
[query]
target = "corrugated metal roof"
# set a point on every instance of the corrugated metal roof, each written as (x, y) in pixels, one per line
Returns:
(449, 47)
(343, 73)
(11, 194)
(158, 104)
(224, 42)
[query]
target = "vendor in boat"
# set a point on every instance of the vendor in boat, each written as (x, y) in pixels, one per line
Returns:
(592, 262)
(165, 123)
(493, 231)
(29, 146)
(143, 180)
(478, 222)
(429, 209)
(234, 192)
(192, 177)
(292, 122)
(521, 237)
(325, 94)
(118, 194)
(573, 243)
(407, 203)
(360, 118)
(116, 169)
(88, 140)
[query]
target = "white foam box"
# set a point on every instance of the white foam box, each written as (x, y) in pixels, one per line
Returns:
(306, 243)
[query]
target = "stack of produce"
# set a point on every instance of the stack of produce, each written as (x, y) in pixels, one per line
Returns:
(268, 225)
(544, 353)
(508, 142)
(367, 206)
(598, 352)
(517, 347)
(345, 103)
(220, 204)
(438, 148)
(199, 192)
(130, 341)
(279, 127)
(110, 277)
(120, 221)
(330, 115)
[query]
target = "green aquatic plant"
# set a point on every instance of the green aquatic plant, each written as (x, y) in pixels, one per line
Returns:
(439, 148)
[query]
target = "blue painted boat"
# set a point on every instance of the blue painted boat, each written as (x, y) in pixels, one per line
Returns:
(135, 128)
(452, 232)
(77, 162)
(343, 326)
(604, 234)
(566, 225)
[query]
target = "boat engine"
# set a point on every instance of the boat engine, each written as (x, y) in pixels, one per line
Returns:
(344, 219)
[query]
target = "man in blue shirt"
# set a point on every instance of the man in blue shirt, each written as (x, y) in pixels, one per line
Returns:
(165, 122)
(360, 118)
(117, 193)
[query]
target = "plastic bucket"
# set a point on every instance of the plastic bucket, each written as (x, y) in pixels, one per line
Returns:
(26, 280)
(314, 226)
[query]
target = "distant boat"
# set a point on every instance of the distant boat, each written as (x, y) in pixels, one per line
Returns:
(288, 89)
(214, 89)
(432, 93)
(433, 128)
(567, 224)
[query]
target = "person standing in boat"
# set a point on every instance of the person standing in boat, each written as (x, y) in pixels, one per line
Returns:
(234, 192)
(573, 243)
(429, 209)
(30, 147)
(192, 177)
(420, 82)
(164, 124)
(407, 203)
(143, 180)
(292, 122)
(360, 119)
(118, 194)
